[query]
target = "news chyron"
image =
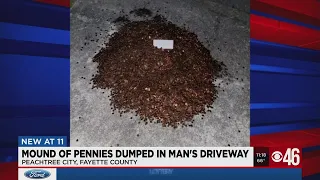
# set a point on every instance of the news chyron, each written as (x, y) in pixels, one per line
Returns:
(41, 157)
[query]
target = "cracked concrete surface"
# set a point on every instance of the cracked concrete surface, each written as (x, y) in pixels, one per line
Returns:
(223, 26)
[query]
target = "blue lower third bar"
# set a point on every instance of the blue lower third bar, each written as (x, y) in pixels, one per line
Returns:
(178, 173)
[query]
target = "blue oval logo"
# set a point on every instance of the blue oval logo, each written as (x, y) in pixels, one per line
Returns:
(37, 174)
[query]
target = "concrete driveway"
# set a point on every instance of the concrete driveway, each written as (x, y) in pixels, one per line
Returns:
(223, 26)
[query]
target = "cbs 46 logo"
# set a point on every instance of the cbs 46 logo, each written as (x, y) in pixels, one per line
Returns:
(291, 156)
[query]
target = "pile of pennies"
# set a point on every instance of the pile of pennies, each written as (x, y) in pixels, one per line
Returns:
(158, 85)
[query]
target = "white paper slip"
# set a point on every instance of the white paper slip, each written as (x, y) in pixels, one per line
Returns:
(164, 44)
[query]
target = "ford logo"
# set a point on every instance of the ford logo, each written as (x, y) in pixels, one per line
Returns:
(37, 174)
